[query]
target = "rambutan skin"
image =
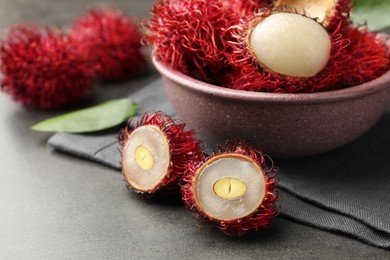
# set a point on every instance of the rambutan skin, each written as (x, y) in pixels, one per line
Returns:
(183, 146)
(260, 218)
(339, 14)
(41, 69)
(249, 7)
(112, 40)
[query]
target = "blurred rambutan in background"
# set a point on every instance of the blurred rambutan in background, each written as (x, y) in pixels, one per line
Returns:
(41, 68)
(112, 40)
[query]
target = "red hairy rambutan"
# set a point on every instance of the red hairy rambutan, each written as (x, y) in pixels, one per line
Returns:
(155, 152)
(41, 68)
(190, 36)
(366, 58)
(112, 40)
(233, 189)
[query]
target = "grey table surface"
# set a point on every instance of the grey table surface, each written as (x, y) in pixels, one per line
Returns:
(55, 206)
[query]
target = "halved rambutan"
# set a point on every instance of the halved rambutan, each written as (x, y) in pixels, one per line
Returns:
(155, 152)
(233, 189)
(42, 69)
(190, 36)
(112, 40)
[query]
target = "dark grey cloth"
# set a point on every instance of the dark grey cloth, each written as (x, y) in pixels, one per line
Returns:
(346, 190)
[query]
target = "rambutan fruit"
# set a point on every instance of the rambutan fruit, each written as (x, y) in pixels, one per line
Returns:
(155, 152)
(284, 52)
(283, 56)
(233, 189)
(190, 36)
(41, 68)
(367, 57)
(112, 40)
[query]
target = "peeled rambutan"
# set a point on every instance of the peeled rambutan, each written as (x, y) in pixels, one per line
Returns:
(273, 53)
(112, 40)
(41, 68)
(191, 36)
(285, 52)
(155, 152)
(233, 189)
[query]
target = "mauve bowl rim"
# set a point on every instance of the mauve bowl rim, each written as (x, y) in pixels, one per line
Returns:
(371, 87)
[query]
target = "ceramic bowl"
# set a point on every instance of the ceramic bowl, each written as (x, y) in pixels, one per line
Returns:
(281, 125)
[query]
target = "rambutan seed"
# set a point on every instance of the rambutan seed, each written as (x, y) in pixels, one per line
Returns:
(290, 44)
(155, 154)
(232, 189)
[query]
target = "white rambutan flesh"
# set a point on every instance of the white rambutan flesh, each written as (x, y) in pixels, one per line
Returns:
(146, 158)
(229, 187)
(290, 44)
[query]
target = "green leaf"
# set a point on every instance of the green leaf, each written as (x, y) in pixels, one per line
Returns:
(103, 116)
(375, 12)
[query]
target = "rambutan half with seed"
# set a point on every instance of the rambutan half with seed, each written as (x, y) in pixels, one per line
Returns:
(155, 153)
(233, 189)
(41, 68)
(190, 36)
(112, 40)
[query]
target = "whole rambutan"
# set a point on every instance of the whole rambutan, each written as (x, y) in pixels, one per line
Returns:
(112, 40)
(155, 152)
(41, 68)
(233, 189)
(366, 58)
(191, 36)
